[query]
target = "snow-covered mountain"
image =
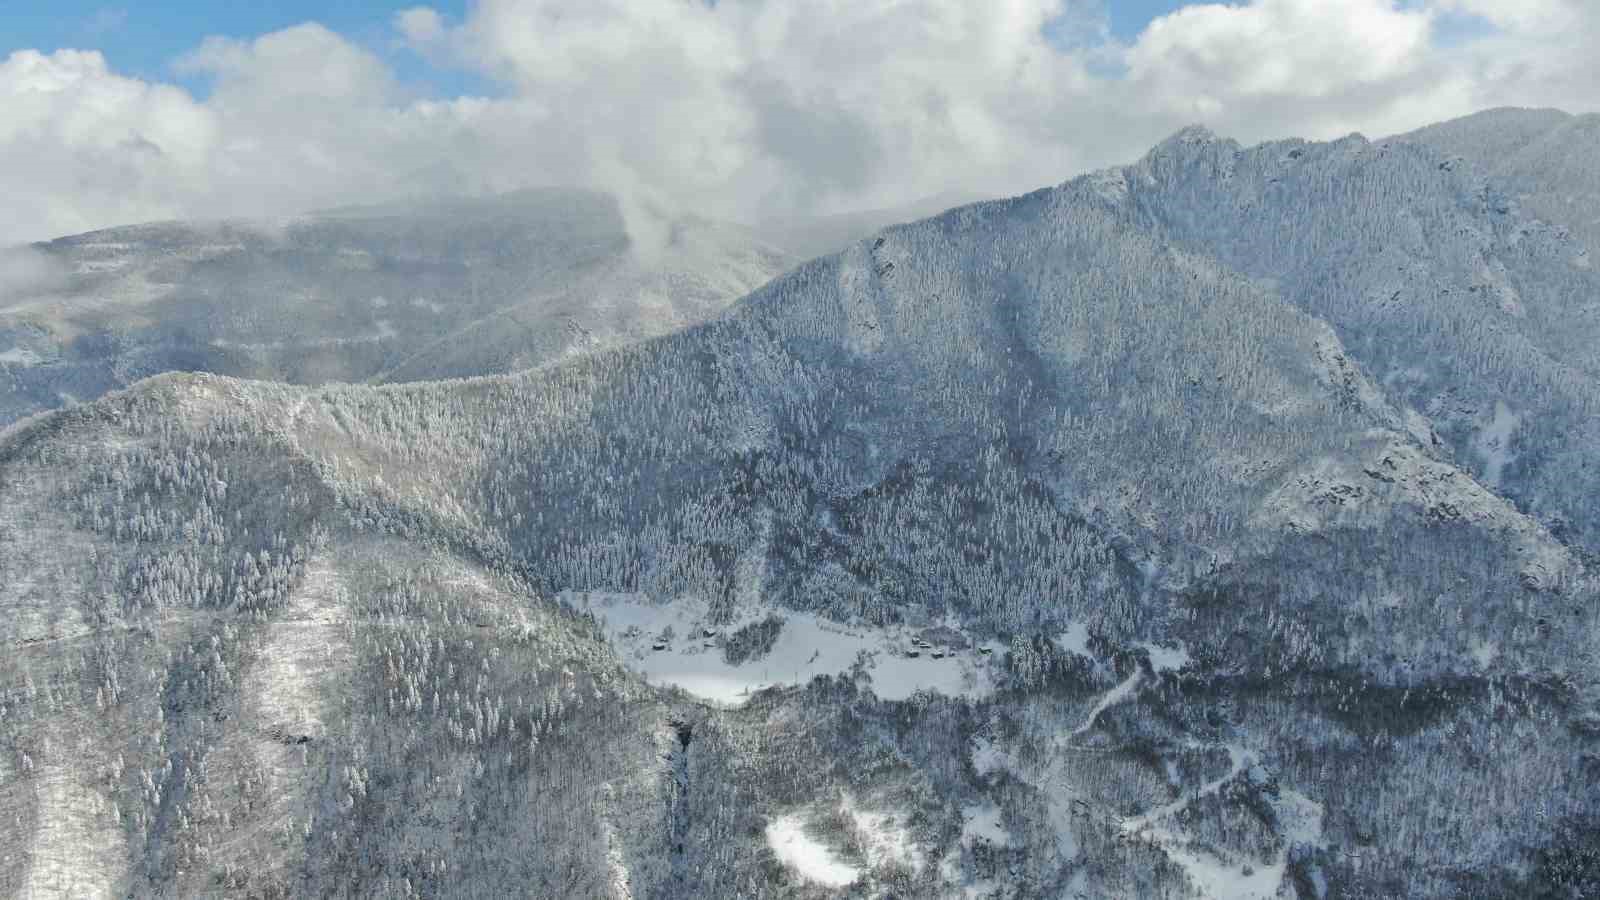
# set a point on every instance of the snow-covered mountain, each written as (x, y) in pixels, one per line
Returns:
(1108, 541)
(1543, 158)
(421, 290)
(1467, 309)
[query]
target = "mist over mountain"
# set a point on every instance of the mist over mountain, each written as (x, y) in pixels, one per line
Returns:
(1221, 525)
(427, 289)
(809, 236)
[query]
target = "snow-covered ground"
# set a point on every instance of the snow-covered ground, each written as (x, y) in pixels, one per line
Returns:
(981, 822)
(1111, 698)
(806, 647)
(1221, 874)
(810, 858)
(76, 841)
(19, 356)
(1166, 659)
(1494, 443)
(884, 837)
(1075, 639)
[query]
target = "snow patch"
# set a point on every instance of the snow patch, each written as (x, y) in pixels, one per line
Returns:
(76, 844)
(617, 864)
(884, 838)
(988, 756)
(1223, 874)
(1166, 659)
(1300, 818)
(1223, 879)
(1111, 185)
(667, 644)
(19, 356)
(287, 685)
(1074, 640)
(1493, 445)
(1485, 652)
(982, 822)
(1111, 698)
(810, 858)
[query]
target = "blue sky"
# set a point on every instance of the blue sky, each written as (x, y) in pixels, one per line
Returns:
(143, 39)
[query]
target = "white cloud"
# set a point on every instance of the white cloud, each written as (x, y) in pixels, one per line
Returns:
(1310, 49)
(1543, 55)
(25, 272)
(744, 107)
(419, 24)
(81, 147)
(304, 63)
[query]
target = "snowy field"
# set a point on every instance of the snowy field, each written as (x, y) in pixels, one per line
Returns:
(806, 647)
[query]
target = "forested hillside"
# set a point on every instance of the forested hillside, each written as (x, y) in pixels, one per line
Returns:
(1161, 566)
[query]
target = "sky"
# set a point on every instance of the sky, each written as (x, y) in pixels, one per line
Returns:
(737, 109)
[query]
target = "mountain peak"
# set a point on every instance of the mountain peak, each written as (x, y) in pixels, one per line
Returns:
(1195, 133)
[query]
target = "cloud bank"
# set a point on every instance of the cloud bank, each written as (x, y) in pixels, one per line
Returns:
(749, 108)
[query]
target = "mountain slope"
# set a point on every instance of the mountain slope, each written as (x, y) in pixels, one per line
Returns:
(1545, 158)
(1132, 556)
(1467, 310)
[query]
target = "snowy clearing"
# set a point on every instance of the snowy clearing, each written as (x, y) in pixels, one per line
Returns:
(813, 861)
(1166, 659)
(1074, 640)
(981, 822)
(884, 837)
(667, 644)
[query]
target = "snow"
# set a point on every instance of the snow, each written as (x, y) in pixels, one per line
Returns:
(616, 864)
(1166, 659)
(289, 685)
(1221, 874)
(1112, 697)
(19, 356)
(1485, 652)
(1494, 443)
(1238, 758)
(1224, 879)
(813, 861)
(385, 331)
(75, 842)
(806, 647)
(982, 822)
(987, 756)
(884, 838)
(1074, 640)
(1300, 818)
